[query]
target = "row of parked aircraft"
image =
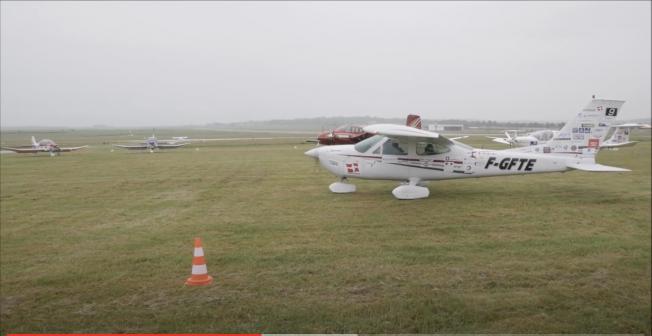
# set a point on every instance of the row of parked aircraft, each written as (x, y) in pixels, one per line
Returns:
(619, 137)
(51, 147)
(414, 156)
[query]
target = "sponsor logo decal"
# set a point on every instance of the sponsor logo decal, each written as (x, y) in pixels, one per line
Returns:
(582, 130)
(511, 163)
(594, 143)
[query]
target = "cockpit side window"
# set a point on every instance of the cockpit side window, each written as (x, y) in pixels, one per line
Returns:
(431, 148)
(392, 147)
(364, 145)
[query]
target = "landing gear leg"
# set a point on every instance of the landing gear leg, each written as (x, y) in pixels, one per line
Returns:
(342, 187)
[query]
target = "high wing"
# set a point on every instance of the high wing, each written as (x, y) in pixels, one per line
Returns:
(168, 146)
(139, 146)
(24, 150)
(70, 149)
(406, 132)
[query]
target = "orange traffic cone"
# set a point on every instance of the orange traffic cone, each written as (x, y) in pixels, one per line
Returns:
(199, 276)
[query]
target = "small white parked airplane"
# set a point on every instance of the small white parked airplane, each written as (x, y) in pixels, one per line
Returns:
(530, 139)
(44, 145)
(152, 143)
(411, 155)
(513, 139)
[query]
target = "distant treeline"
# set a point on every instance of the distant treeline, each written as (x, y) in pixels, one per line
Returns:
(333, 122)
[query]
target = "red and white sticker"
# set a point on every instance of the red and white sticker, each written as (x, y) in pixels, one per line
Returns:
(352, 168)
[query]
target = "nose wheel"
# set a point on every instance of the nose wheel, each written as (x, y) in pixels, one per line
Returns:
(342, 187)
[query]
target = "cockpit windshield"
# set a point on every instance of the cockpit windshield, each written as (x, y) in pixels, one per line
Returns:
(364, 145)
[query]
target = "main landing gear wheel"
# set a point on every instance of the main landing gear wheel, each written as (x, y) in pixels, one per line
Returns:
(342, 187)
(411, 190)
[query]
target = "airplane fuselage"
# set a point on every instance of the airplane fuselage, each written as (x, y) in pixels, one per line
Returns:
(345, 161)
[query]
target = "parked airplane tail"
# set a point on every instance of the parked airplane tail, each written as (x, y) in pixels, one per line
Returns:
(413, 120)
(34, 143)
(589, 128)
(620, 136)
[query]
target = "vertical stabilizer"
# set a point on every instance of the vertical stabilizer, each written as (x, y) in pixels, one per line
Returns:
(589, 128)
(413, 120)
(34, 143)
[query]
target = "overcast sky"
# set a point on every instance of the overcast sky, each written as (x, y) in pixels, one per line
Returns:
(180, 63)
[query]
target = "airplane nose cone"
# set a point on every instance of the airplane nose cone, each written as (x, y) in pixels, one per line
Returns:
(313, 153)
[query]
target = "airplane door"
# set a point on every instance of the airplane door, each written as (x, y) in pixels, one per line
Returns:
(471, 163)
(394, 153)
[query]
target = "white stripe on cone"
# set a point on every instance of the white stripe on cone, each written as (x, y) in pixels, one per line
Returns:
(199, 269)
(199, 252)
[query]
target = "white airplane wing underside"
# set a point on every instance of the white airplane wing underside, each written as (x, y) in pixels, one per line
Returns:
(163, 146)
(142, 146)
(24, 150)
(71, 149)
(405, 132)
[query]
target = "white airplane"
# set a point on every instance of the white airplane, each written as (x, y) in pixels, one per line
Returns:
(620, 136)
(414, 156)
(152, 143)
(513, 139)
(44, 145)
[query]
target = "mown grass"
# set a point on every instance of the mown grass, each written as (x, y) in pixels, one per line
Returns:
(101, 241)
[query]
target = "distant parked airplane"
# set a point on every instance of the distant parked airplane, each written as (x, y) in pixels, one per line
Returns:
(513, 139)
(43, 146)
(352, 134)
(152, 143)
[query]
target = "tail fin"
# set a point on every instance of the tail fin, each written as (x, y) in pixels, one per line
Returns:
(34, 143)
(413, 120)
(589, 128)
(620, 136)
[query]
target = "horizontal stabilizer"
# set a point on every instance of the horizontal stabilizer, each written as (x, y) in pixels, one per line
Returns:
(594, 167)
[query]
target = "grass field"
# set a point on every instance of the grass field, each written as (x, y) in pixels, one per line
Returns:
(101, 241)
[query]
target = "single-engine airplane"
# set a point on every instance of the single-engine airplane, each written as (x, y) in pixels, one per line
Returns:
(414, 156)
(152, 143)
(343, 135)
(43, 145)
